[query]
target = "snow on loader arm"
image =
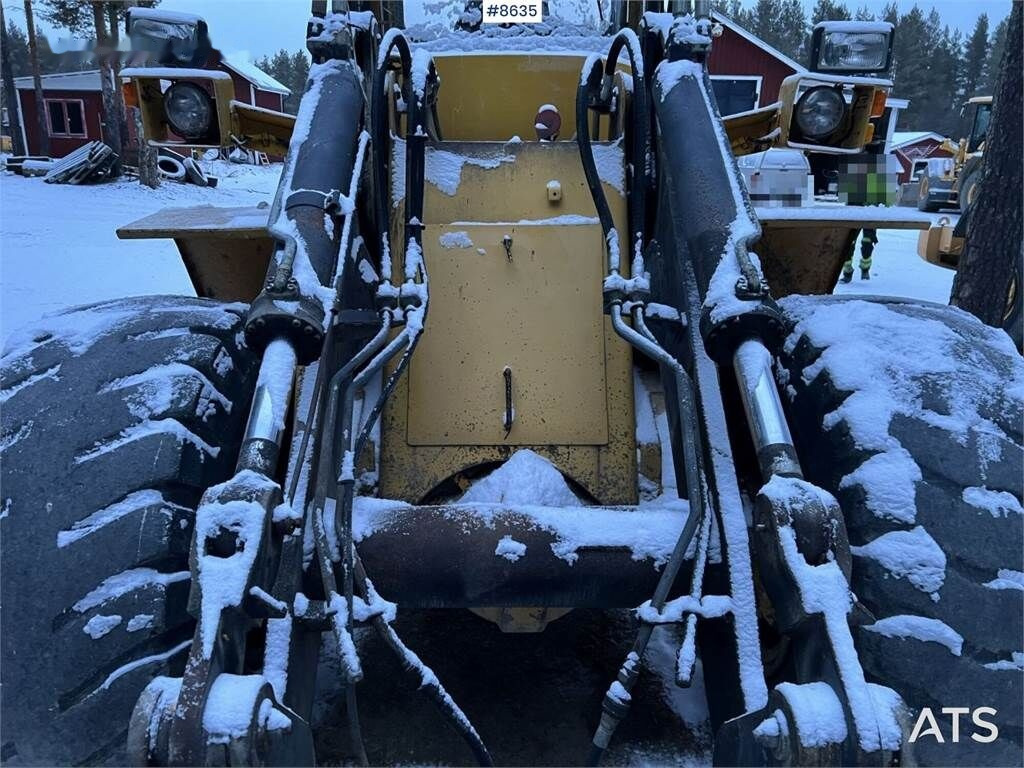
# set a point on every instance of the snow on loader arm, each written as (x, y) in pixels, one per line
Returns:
(698, 258)
(506, 375)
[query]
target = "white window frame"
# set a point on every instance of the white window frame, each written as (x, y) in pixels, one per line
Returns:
(758, 79)
(67, 123)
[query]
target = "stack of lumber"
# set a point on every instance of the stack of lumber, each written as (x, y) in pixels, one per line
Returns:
(89, 163)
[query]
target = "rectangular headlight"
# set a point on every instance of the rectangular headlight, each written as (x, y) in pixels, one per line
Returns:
(851, 46)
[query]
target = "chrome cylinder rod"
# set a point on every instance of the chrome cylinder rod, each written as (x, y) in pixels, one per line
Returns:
(760, 395)
(265, 428)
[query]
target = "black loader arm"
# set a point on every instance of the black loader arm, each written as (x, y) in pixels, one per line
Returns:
(705, 215)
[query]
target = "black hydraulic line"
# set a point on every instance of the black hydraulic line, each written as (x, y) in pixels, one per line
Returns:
(614, 709)
(596, 82)
(343, 385)
(320, 536)
(415, 168)
(355, 731)
(430, 684)
(591, 84)
(311, 413)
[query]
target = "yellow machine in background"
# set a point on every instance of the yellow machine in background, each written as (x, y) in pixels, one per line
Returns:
(955, 184)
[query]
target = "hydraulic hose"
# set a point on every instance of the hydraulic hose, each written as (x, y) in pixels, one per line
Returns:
(615, 708)
(595, 82)
(343, 386)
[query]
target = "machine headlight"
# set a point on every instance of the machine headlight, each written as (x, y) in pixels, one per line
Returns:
(189, 110)
(851, 46)
(820, 112)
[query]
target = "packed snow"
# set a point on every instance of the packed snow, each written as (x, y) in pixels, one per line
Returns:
(60, 248)
(102, 517)
(124, 583)
(817, 711)
(276, 375)
(996, 503)
(1007, 578)
(1015, 662)
(99, 625)
(510, 549)
(912, 555)
(920, 628)
(457, 239)
(529, 490)
(525, 479)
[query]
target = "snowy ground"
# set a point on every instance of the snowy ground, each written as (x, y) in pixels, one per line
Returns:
(897, 270)
(58, 248)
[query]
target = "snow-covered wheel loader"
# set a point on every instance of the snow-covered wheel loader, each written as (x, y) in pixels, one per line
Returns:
(503, 343)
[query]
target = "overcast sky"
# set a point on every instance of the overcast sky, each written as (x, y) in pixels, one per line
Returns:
(259, 27)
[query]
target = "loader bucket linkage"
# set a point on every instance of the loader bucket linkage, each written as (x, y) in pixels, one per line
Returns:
(347, 291)
(800, 538)
(172, 722)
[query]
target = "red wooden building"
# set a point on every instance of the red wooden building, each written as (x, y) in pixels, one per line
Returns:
(74, 108)
(745, 71)
(916, 145)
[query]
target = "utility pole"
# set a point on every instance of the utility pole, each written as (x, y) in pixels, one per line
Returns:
(37, 80)
(111, 120)
(13, 103)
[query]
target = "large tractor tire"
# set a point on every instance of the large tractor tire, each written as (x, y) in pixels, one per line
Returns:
(923, 204)
(912, 415)
(115, 418)
(969, 187)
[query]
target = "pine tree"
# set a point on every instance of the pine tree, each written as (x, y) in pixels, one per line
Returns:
(912, 54)
(739, 14)
(112, 119)
(995, 56)
(10, 100)
(829, 10)
(824, 10)
(17, 46)
(974, 57)
(941, 105)
(792, 29)
(291, 70)
(765, 21)
(49, 62)
(864, 14)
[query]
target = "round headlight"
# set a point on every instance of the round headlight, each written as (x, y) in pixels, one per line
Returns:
(189, 110)
(820, 112)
